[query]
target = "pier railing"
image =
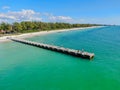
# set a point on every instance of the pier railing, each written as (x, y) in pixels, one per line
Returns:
(68, 51)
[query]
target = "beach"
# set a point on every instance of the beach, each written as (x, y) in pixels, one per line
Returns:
(27, 35)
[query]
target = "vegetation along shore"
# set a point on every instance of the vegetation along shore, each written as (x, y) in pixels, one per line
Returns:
(28, 29)
(25, 27)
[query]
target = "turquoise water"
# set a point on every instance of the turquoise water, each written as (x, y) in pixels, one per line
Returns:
(24, 67)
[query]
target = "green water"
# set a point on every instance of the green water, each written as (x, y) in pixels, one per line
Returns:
(24, 67)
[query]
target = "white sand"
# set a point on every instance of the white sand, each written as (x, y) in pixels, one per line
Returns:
(27, 35)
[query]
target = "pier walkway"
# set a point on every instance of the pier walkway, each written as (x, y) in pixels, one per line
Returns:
(68, 51)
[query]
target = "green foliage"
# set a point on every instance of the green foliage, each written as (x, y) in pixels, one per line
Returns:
(28, 26)
(17, 27)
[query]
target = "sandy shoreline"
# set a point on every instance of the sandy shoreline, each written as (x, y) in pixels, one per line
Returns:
(27, 35)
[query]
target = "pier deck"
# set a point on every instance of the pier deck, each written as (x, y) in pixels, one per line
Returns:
(72, 52)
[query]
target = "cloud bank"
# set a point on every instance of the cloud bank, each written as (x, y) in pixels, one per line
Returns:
(17, 16)
(5, 7)
(31, 15)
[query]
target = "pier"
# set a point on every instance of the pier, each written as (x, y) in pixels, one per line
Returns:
(68, 51)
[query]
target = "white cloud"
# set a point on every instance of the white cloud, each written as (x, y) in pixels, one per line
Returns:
(60, 18)
(5, 7)
(26, 15)
(53, 18)
(31, 15)
(23, 15)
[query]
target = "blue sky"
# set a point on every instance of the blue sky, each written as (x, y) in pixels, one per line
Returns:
(73, 11)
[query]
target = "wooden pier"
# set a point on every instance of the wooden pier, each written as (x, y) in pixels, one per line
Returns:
(68, 51)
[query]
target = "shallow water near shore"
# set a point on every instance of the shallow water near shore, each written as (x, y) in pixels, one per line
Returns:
(24, 67)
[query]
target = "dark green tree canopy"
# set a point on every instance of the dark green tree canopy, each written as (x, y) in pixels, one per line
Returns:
(28, 26)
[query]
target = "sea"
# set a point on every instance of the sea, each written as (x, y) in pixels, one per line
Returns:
(25, 67)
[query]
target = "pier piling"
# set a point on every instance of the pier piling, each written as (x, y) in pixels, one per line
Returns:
(72, 52)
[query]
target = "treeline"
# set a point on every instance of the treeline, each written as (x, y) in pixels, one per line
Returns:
(24, 27)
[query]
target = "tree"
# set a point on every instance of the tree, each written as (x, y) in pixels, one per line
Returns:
(17, 27)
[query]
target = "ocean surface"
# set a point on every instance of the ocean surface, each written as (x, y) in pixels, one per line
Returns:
(24, 67)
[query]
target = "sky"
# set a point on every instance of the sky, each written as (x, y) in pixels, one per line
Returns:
(70, 11)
